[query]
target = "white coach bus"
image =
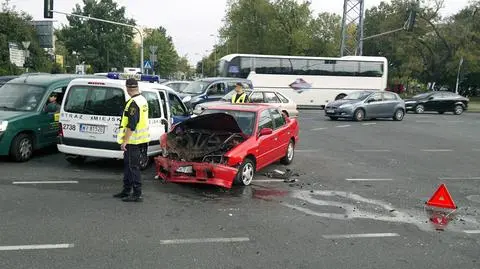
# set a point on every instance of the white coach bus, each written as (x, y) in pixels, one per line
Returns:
(329, 78)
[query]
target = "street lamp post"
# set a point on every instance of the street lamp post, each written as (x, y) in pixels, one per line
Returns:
(215, 55)
(458, 75)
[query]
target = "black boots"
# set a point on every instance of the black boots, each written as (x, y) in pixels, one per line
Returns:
(136, 196)
(123, 194)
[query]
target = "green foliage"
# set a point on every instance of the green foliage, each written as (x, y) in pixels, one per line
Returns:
(15, 27)
(102, 45)
(167, 57)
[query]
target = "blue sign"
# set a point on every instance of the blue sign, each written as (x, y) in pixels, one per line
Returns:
(147, 64)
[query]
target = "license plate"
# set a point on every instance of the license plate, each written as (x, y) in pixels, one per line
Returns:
(94, 129)
(330, 111)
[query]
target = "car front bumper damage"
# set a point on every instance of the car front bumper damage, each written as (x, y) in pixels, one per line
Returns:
(195, 172)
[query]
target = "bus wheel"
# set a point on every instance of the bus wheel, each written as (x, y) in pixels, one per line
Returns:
(340, 96)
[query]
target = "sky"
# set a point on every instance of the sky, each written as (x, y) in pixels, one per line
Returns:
(192, 24)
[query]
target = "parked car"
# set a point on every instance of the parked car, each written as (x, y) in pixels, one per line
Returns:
(362, 105)
(177, 86)
(5, 79)
(438, 101)
(285, 104)
(26, 122)
(227, 143)
(210, 89)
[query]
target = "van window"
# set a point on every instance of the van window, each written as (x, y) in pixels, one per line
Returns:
(164, 104)
(154, 110)
(176, 106)
(95, 101)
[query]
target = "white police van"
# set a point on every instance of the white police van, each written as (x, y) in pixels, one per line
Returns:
(91, 112)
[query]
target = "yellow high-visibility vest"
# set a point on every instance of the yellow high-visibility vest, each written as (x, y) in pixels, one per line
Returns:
(141, 134)
(240, 100)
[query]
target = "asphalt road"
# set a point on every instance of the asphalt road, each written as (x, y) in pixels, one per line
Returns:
(358, 203)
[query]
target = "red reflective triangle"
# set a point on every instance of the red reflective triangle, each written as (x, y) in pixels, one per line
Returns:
(441, 198)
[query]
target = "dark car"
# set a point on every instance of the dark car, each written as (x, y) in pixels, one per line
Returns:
(440, 101)
(210, 89)
(5, 79)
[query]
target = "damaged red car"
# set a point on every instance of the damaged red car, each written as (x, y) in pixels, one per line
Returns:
(226, 144)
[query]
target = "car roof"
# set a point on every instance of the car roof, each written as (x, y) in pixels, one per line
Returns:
(241, 107)
(121, 83)
(44, 80)
(213, 79)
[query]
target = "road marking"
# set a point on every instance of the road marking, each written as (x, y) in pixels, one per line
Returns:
(318, 129)
(44, 182)
(347, 236)
(458, 178)
(342, 126)
(307, 150)
(476, 149)
(370, 123)
(425, 121)
(372, 150)
(437, 150)
(204, 240)
(30, 247)
(368, 179)
(472, 231)
(269, 180)
(454, 121)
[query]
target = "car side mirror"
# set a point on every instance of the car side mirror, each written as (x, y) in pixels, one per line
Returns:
(265, 131)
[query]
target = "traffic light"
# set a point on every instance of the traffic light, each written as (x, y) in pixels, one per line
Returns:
(47, 7)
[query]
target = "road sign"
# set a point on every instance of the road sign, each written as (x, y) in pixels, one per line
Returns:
(153, 49)
(26, 44)
(147, 64)
(441, 198)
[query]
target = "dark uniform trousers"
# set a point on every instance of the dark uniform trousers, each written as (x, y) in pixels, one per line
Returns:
(131, 172)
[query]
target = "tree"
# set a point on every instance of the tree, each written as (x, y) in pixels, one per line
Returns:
(325, 38)
(167, 57)
(102, 45)
(15, 27)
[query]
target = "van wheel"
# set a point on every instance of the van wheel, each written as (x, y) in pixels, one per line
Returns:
(75, 159)
(21, 149)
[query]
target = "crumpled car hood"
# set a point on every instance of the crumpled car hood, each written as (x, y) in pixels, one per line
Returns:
(221, 122)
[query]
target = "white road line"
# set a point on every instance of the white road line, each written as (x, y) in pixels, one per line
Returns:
(347, 236)
(307, 150)
(342, 126)
(370, 123)
(454, 121)
(268, 180)
(369, 179)
(204, 240)
(318, 129)
(436, 150)
(472, 231)
(44, 182)
(372, 150)
(30, 247)
(458, 178)
(425, 121)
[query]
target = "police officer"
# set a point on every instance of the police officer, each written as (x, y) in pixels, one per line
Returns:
(133, 135)
(240, 95)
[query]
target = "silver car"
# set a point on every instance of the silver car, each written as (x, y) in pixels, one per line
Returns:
(270, 97)
(177, 86)
(367, 105)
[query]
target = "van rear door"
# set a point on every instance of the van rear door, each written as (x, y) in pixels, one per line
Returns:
(91, 113)
(158, 123)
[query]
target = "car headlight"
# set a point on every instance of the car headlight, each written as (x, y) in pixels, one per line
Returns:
(3, 125)
(346, 106)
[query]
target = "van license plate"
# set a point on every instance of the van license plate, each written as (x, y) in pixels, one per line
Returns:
(94, 129)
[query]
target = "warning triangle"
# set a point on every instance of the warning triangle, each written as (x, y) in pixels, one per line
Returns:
(441, 198)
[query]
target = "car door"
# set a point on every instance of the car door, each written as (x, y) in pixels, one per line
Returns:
(281, 134)
(257, 97)
(166, 108)
(48, 121)
(178, 110)
(387, 107)
(432, 102)
(266, 150)
(447, 101)
(373, 105)
(215, 91)
(157, 122)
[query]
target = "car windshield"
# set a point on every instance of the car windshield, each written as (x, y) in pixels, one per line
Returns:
(228, 96)
(245, 119)
(21, 97)
(357, 96)
(422, 95)
(196, 87)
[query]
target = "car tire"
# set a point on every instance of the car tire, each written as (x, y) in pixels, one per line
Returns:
(75, 159)
(21, 149)
(419, 109)
(288, 158)
(398, 115)
(458, 110)
(334, 118)
(359, 115)
(246, 172)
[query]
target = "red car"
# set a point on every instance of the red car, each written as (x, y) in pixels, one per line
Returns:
(227, 143)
